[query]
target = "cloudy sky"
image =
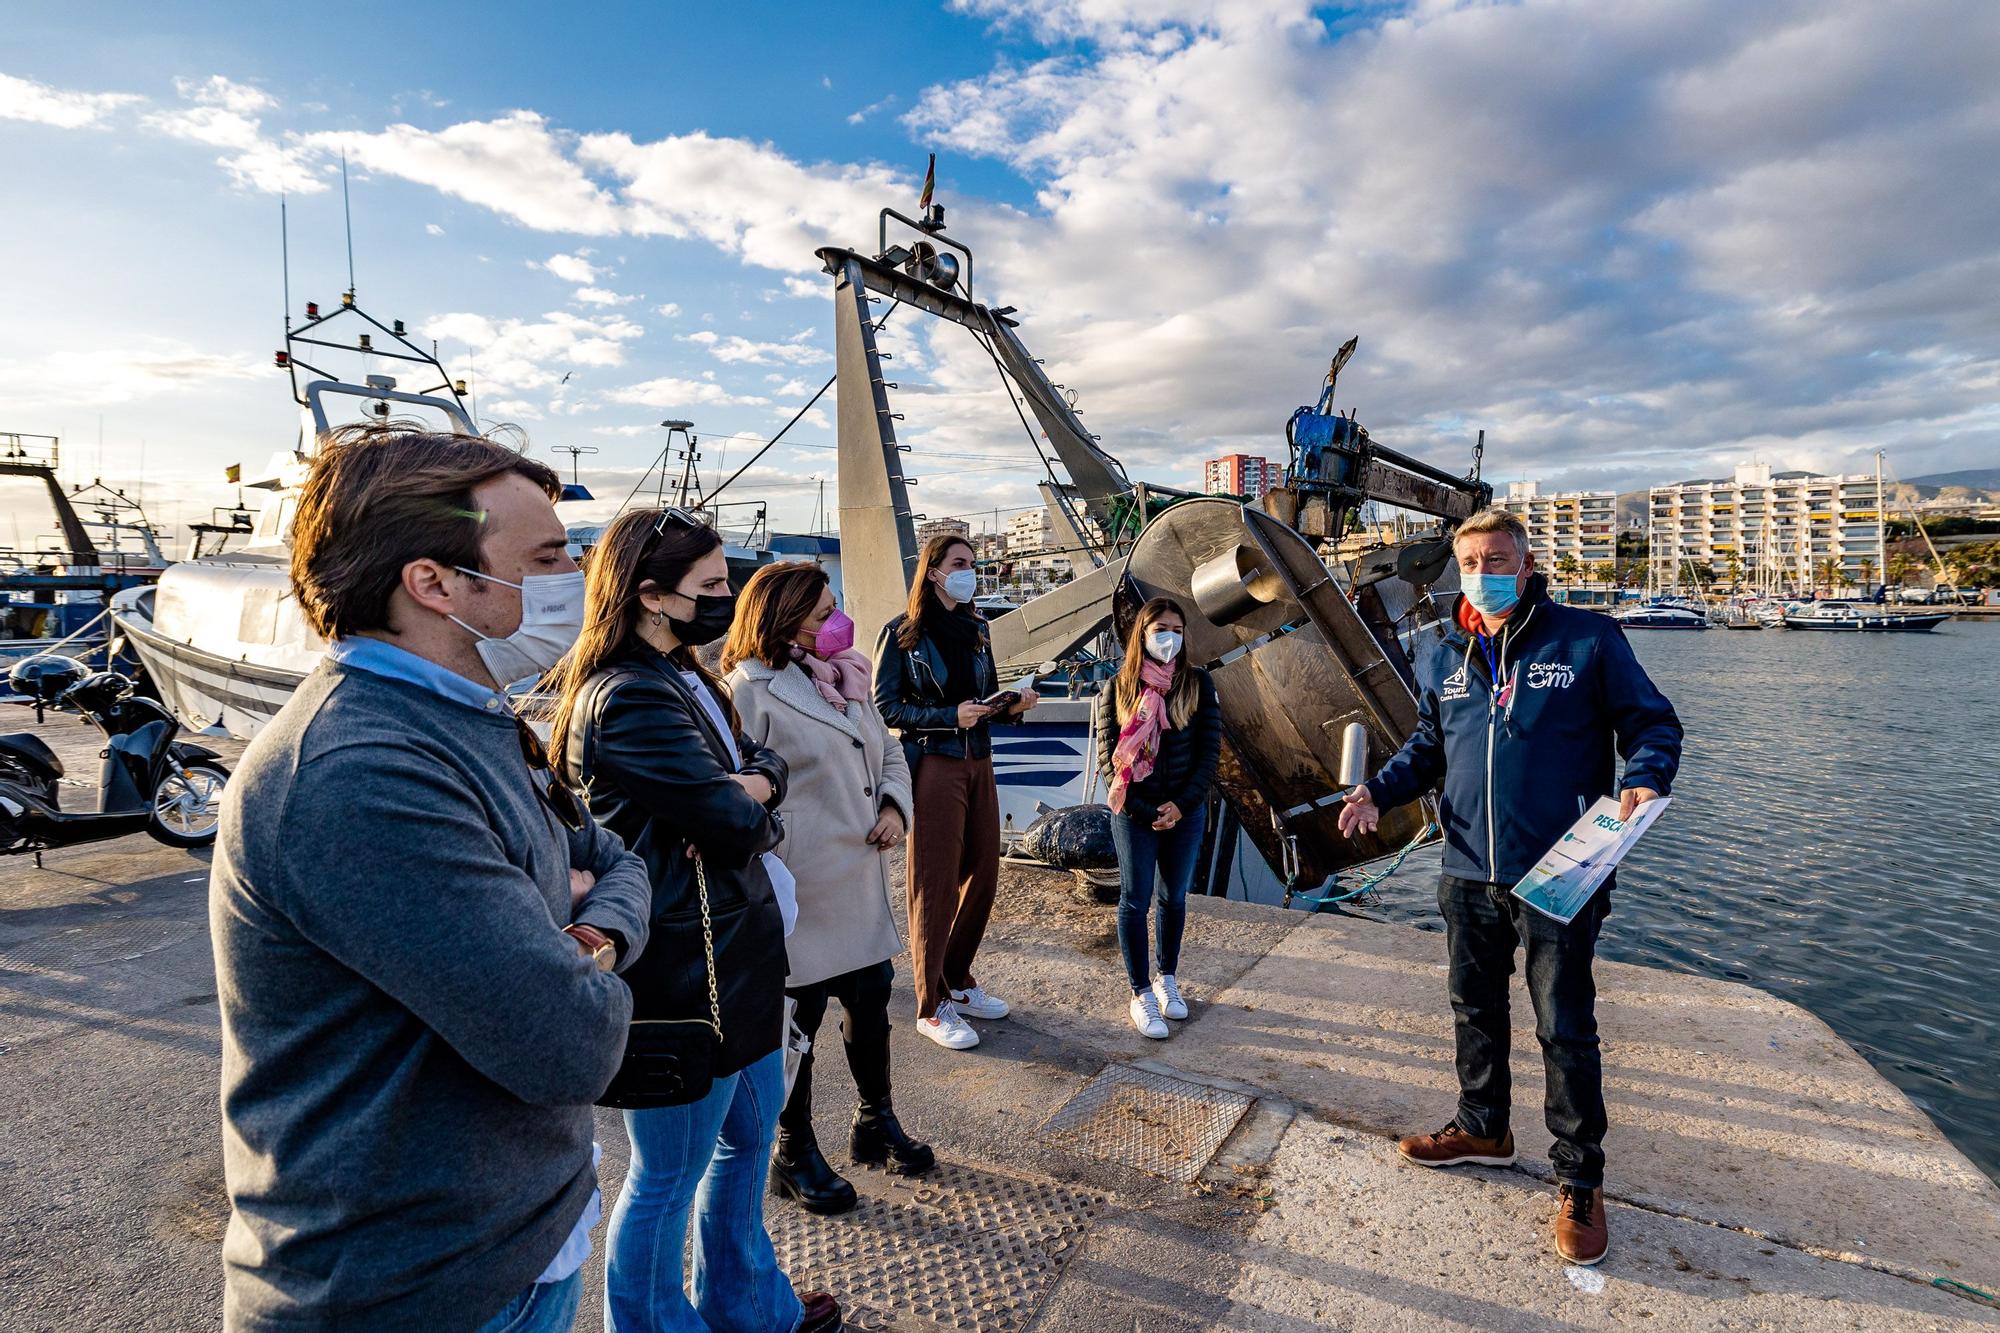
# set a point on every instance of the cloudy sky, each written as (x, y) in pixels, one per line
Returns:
(1634, 242)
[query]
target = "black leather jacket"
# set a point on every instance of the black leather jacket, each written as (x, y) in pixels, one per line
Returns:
(909, 693)
(654, 769)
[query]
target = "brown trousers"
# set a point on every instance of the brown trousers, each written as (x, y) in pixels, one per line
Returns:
(954, 873)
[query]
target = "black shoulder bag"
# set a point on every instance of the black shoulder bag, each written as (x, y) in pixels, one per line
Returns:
(671, 1061)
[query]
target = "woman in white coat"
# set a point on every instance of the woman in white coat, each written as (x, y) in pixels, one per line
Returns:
(802, 690)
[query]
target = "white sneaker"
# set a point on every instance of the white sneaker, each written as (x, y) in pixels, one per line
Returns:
(948, 1030)
(978, 1004)
(1168, 992)
(1145, 1011)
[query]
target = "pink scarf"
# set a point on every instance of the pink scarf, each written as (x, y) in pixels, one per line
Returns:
(839, 679)
(1139, 742)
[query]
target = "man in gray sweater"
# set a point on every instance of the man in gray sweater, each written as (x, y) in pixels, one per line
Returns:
(412, 923)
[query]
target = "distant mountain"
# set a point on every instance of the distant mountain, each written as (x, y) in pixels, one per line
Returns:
(1974, 478)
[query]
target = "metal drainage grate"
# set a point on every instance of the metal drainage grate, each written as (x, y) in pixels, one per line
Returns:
(959, 1249)
(103, 942)
(1166, 1126)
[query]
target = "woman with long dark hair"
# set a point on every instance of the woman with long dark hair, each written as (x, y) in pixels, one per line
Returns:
(646, 733)
(802, 690)
(1159, 733)
(935, 683)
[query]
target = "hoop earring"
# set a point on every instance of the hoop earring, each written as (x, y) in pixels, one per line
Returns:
(659, 617)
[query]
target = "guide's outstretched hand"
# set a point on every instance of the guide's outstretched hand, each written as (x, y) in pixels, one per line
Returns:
(1358, 814)
(1633, 798)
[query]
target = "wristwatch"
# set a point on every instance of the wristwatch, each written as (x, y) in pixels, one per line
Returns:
(596, 945)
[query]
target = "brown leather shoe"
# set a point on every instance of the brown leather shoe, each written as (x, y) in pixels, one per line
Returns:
(1452, 1146)
(821, 1313)
(1581, 1234)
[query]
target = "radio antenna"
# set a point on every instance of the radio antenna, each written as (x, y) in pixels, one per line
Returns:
(285, 260)
(348, 213)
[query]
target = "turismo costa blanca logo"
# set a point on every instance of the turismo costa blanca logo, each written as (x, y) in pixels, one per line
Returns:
(1551, 675)
(1454, 686)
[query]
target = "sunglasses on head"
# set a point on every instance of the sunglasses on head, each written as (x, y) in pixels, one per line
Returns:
(560, 800)
(675, 514)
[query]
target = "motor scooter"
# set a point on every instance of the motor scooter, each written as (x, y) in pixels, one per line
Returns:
(149, 781)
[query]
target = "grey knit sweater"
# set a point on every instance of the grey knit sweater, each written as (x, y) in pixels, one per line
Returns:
(410, 1046)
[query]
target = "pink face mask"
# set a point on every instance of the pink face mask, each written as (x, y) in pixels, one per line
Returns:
(835, 636)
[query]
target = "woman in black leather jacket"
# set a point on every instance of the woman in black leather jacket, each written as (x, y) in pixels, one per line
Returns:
(645, 732)
(933, 669)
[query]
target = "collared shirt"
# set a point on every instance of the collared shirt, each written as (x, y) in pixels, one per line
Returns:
(380, 658)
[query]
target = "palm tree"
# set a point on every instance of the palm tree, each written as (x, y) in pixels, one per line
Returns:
(1605, 572)
(1867, 573)
(1734, 570)
(1829, 573)
(1899, 567)
(1567, 566)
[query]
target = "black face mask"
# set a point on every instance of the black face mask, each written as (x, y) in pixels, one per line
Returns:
(710, 621)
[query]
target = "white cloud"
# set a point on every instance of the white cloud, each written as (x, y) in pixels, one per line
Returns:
(228, 115)
(865, 112)
(515, 165)
(159, 367)
(432, 229)
(601, 296)
(747, 199)
(575, 268)
(516, 355)
(730, 348)
(671, 392)
(25, 99)
(671, 310)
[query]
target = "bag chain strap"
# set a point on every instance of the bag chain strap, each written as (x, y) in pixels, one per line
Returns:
(708, 948)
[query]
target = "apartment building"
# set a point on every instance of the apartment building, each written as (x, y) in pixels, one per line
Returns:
(1579, 524)
(1778, 530)
(938, 527)
(1241, 474)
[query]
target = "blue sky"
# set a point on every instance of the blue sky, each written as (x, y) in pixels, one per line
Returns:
(1635, 243)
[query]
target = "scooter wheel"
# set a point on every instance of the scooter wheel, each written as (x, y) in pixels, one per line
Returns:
(187, 810)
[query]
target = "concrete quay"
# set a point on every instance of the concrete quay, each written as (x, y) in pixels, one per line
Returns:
(1237, 1176)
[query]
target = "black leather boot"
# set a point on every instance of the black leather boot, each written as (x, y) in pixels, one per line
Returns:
(800, 1171)
(878, 1140)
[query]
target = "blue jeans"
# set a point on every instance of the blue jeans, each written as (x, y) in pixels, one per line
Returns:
(1483, 925)
(1144, 858)
(546, 1307)
(713, 1154)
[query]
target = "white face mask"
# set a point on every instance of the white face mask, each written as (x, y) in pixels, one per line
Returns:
(1163, 645)
(551, 620)
(961, 585)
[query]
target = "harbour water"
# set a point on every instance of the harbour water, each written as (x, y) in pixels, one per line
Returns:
(1832, 841)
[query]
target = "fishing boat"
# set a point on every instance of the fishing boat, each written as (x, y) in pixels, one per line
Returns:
(1863, 617)
(55, 592)
(1661, 614)
(220, 634)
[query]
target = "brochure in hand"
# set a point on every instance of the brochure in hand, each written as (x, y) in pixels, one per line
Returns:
(1583, 858)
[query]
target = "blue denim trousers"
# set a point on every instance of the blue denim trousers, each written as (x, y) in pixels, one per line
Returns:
(712, 1155)
(546, 1307)
(1147, 858)
(1484, 924)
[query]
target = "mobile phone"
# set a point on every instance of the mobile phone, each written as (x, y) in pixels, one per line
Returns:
(1001, 699)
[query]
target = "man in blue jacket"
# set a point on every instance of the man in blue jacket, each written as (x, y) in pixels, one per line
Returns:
(1520, 712)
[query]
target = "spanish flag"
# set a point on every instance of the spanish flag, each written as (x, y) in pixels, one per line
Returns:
(930, 184)
(233, 473)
